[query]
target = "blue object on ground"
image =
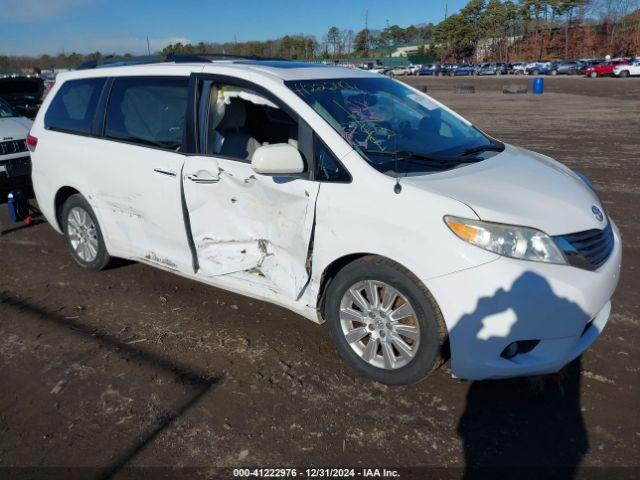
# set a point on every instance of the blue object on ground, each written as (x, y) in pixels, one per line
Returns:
(538, 86)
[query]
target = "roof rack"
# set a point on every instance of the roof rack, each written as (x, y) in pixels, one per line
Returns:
(206, 57)
(117, 61)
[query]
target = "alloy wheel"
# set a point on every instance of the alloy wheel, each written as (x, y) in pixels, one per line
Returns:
(380, 324)
(83, 235)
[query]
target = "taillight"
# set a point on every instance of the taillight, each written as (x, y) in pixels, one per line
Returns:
(32, 142)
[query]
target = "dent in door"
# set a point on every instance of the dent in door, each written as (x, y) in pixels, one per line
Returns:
(267, 229)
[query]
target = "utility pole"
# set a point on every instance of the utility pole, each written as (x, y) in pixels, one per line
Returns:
(389, 40)
(148, 46)
(366, 30)
(446, 10)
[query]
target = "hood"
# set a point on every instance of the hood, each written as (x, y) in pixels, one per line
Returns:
(519, 187)
(14, 128)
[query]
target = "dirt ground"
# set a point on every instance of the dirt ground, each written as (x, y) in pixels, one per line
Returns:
(135, 367)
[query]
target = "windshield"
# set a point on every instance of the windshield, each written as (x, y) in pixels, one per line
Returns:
(5, 110)
(396, 129)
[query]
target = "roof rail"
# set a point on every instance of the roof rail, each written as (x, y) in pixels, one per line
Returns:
(206, 57)
(117, 61)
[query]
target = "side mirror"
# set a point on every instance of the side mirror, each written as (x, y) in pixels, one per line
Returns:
(277, 159)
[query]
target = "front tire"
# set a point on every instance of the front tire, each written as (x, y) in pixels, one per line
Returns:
(83, 235)
(624, 73)
(384, 322)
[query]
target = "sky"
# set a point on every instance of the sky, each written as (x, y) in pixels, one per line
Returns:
(35, 27)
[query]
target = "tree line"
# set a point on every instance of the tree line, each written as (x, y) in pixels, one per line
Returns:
(540, 29)
(504, 30)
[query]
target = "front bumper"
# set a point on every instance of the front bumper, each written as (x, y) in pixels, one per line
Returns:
(490, 306)
(15, 174)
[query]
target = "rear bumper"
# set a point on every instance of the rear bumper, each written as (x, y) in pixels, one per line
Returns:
(488, 307)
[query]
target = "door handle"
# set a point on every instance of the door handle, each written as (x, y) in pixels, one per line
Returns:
(203, 180)
(162, 171)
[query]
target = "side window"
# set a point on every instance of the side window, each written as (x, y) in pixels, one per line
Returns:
(328, 168)
(235, 121)
(148, 111)
(74, 106)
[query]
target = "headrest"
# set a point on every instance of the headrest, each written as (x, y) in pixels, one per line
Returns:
(236, 115)
(217, 109)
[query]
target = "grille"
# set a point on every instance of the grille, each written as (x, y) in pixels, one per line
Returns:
(13, 146)
(588, 249)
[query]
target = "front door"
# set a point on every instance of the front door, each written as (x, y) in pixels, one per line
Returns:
(244, 224)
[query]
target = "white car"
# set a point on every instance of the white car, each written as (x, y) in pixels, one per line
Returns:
(414, 69)
(15, 165)
(518, 68)
(399, 71)
(631, 70)
(342, 195)
(378, 69)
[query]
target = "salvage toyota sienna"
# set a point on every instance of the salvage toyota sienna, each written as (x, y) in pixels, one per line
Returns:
(342, 195)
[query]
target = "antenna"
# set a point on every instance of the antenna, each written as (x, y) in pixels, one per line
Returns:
(397, 188)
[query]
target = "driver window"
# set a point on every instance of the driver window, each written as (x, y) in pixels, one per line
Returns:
(236, 121)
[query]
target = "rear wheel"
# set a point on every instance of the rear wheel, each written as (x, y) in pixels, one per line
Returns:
(624, 73)
(83, 235)
(384, 322)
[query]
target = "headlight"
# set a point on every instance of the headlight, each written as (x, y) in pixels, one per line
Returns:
(516, 242)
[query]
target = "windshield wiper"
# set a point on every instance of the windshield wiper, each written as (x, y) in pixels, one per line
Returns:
(406, 154)
(491, 147)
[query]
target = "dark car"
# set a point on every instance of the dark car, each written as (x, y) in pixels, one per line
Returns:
(564, 68)
(24, 94)
(462, 70)
(493, 69)
(445, 69)
(429, 70)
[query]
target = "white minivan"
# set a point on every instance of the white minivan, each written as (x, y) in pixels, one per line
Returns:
(342, 195)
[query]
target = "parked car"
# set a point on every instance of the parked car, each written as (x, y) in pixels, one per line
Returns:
(517, 68)
(414, 69)
(536, 68)
(429, 70)
(15, 165)
(564, 68)
(24, 94)
(584, 64)
(445, 69)
(462, 70)
(629, 70)
(380, 70)
(604, 69)
(341, 195)
(399, 71)
(493, 69)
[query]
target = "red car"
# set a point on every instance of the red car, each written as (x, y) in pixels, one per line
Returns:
(604, 69)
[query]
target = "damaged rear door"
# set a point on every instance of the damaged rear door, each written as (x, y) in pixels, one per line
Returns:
(254, 227)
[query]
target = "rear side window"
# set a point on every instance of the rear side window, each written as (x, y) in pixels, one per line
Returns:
(148, 111)
(74, 106)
